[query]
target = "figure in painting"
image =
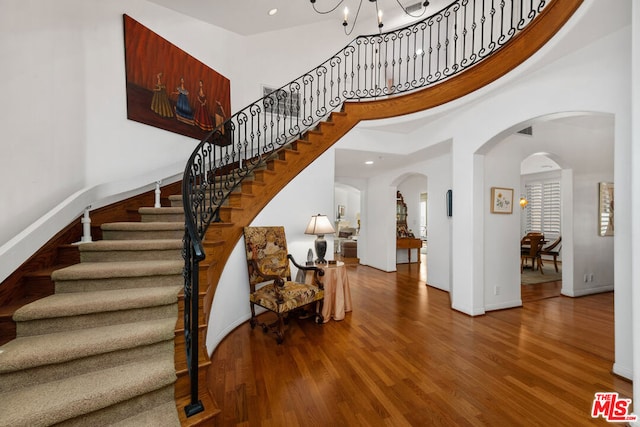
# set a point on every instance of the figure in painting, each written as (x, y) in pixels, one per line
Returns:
(223, 138)
(202, 118)
(184, 113)
(160, 101)
(220, 115)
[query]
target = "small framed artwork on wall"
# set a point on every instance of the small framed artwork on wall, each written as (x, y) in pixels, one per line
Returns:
(501, 200)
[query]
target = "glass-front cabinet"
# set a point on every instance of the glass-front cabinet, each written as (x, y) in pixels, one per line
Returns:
(402, 230)
(405, 238)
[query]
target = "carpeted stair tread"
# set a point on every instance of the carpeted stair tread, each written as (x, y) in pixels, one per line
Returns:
(172, 214)
(161, 210)
(131, 245)
(162, 415)
(141, 226)
(102, 270)
(26, 352)
(79, 303)
(53, 402)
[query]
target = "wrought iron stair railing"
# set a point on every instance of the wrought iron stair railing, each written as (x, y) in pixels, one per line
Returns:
(370, 67)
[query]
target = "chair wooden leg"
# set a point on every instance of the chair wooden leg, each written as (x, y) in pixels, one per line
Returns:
(253, 321)
(555, 262)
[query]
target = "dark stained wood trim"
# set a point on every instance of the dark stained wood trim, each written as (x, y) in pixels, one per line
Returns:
(31, 280)
(553, 17)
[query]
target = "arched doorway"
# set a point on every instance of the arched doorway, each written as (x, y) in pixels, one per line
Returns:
(582, 145)
(348, 202)
(412, 188)
(540, 205)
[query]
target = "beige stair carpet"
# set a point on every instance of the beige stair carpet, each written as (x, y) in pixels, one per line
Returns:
(100, 351)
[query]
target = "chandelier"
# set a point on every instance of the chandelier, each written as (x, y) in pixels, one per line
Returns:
(415, 11)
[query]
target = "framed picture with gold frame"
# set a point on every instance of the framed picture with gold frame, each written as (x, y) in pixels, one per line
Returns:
(501, 200)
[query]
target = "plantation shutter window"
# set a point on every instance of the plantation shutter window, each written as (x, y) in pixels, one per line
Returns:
(543, 210)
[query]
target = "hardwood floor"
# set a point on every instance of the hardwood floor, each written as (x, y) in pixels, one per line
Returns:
(403, 357)
(540, 291)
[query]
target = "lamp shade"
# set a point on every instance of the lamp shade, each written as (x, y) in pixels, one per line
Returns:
(319, 225)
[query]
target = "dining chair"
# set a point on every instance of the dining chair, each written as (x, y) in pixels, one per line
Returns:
(532, 251)
(553, 250)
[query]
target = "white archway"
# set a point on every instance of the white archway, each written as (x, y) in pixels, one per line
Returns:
(582, 144)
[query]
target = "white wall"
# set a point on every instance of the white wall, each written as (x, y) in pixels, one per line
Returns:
(502, 231)
(44, 114)
(635, 226)
(438, 171)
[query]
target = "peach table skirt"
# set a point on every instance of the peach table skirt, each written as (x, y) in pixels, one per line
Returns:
(337, 294)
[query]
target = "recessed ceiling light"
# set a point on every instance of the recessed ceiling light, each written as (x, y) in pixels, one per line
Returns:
(368, 162)
(273, 11)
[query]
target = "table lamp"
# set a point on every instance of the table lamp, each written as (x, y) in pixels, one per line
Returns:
(320, 225)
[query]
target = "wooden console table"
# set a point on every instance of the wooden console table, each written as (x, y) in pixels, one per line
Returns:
(409, 243)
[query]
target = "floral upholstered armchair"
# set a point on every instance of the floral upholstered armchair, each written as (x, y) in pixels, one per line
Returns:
(270, 281)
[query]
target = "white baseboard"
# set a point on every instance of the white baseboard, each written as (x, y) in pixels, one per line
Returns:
(587, 291)
(622, 371)
(471, 311)
(503, 305)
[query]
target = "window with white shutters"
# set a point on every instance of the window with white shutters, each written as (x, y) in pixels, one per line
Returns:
(543, 210)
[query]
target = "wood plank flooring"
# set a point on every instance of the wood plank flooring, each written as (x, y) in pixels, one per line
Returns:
(404, 358)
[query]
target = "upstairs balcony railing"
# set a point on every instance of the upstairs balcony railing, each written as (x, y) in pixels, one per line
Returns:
(370, 67)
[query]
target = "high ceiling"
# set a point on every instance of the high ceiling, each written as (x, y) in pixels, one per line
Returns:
(249, 17)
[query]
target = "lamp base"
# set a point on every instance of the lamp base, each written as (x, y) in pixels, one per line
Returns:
(321, 249)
